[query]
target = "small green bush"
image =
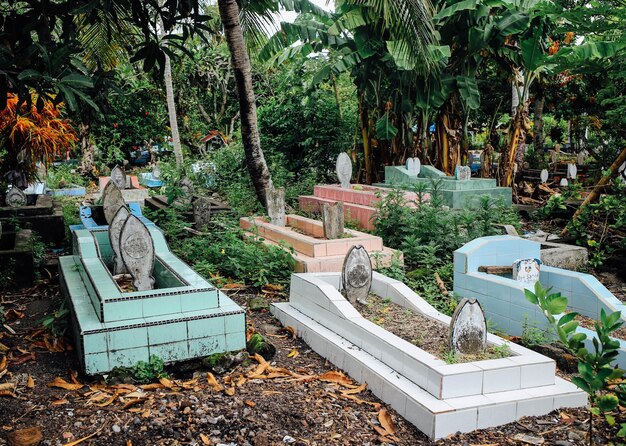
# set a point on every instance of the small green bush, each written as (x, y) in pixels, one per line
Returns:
(142, 372)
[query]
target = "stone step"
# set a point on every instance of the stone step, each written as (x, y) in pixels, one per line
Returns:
(437, 418)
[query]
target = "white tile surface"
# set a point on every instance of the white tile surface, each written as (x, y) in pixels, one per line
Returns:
(457, 421)
(535, 375)
(496, 415)
(535, 407)
(501, 380)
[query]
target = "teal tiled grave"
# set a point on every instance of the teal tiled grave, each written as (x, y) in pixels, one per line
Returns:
(183, 317)
(438, 398)
(503, 300)
(456, 194)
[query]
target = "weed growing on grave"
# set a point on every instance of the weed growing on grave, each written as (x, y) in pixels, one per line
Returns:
(596, 376)
(142, 372)
(532, 335)
(58, 320)
(70, 208)
(62, 176)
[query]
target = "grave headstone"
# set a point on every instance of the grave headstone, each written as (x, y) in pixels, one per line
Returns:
(344, 170)
(564, 182)
(118, 176)
(544, 176)
(115, 229)
(580, 158)
(468, 328)
(622, 171)
(187, 188)
(553, 156)
(112, 200)
(527, 270)
(462, 173)
(414, 165)
(276, 206)
(333, 220)
(201, 212)
(356, 275)
(572, 171)
(16, 198)
(137, 251)
(156, 172)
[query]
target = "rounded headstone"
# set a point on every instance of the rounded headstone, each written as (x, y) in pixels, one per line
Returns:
(137, 251)
(622, 171)
(202, 212)
(544, 176)
(572, 171)
(118, 176)
(468, 328)
(564, 182)
(356, 274)
(187, 188)
(16, 198)
(115, 230)
(112, 200)
(463, 173)
(156, 172)
(580, 158)
(344, 170)
(413, 165)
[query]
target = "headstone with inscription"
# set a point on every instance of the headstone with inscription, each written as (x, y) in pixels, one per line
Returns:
(344, 170)
(137, 251)
(414, 165)
(16, 198)
(118, 176)
(463, 173)
(527, 270)
(202, 212)
(276, 206)
(468, 328)
(156, 172)
(115, 229)
(544, 176)
(356, 275)
(187, 189)
(112, 200)
(333, 220)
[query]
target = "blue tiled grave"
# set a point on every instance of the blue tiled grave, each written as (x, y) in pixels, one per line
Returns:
(184, 317)
(456, 194)
(503, 298)
(92, 217)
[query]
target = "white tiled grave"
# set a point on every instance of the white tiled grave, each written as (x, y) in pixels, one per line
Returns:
(439, 398)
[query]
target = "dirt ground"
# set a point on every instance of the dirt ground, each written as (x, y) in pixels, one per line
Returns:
(297, 398)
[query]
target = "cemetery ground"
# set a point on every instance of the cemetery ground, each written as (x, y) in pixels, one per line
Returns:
(296, 397)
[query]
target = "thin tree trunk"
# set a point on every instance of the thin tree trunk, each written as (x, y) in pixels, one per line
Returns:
(367, 149)
(87, 161)
(171, 111)
(538, 122)
(259, 173)
(515, 135)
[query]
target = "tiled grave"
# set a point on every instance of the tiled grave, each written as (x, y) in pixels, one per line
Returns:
(313, 253)
(456, 193)
(41, 214)
(133, 192)
(503, 298)
(183, 317)
(438, 398)
(358, 201)
(72, 190)
(92, 217)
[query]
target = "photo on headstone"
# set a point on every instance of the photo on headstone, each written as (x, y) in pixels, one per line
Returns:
(527, 270)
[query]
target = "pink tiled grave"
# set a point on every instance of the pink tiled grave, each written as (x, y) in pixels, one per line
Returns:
(358, 201)
(134, 191)
(313, 253)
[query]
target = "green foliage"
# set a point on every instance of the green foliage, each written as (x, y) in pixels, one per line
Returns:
(142, 372)
(555, 206)
(64, 175)
(531, 335)
(58, 320)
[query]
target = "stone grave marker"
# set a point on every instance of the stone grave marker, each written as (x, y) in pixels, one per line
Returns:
(526, 270)
(468, 328)
(344, 170)
(118, 176)
(333, 220)
(580, 158)
(156, 172)
(112, 200)
(544, 176)
(16, 198)
(462, 173)
(553, 156)
(564, 182)
(276, 206)
(187, 188)
(572, 171)
(356, 275)
(201, 212)
(414, 165)
(137, 251)
(115, 230)
(622, 171)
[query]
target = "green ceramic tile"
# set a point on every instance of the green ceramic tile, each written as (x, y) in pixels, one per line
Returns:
(172, 351)
(235, 323)
(129, 338)
(235, 341)
(95, 343)
(161, 305)
(207, 346)
(199, 301)
(123, 310)
(96, 363)
(160, 334)
(200, 328)
(128, 357)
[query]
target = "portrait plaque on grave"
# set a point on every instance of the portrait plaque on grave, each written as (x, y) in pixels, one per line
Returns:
(356, 275)
(344, 170)
(137, 250)
(468, 328)
(526, 270)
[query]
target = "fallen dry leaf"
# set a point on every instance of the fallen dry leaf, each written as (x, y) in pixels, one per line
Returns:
(291, 330)
(7, 386)
(30, 383)
(7, 393)
(109, 401)
(61, 383)
(25, 437)
(153, 386)
(230, 391)
(213, 382)
(385, 421)
(293, 353)
(336, 377)
(59, 402)
(166, 382)
(249, 403)
(356, 390)
(3, 363)
(205, 439)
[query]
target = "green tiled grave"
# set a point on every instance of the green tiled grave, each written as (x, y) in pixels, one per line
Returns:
(184, 317)
(455, 193)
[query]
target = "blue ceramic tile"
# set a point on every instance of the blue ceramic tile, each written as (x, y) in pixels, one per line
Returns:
(235, 341)
(160, 334)
(201, 328)
(128, 357)
(172, 351)
(129, 338)
(207, 346)
(235, 323)
(121, 311)
(95, 343)
(97, 363)
(161, 305)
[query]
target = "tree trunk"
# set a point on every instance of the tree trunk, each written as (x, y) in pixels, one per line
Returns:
(87, 148)
(516, 134)
(367, 146)
(259, 173)
(449, 132)
(538, 122)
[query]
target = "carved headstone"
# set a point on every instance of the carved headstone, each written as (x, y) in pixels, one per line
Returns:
(187, 187)
(580, 158)
(333, 220)
(527, 270)
(544, 176)
(356, 275)
(118, 176)
(572, 171)
(16, 198)
(344, 170)
(112, 200)
(463, 173)
(137, 250)
(276, 205)
(413, 165)
(156, 172)
(564, 182)
(622, 171)
(201, 212)
(468, 328)
(115, 229)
